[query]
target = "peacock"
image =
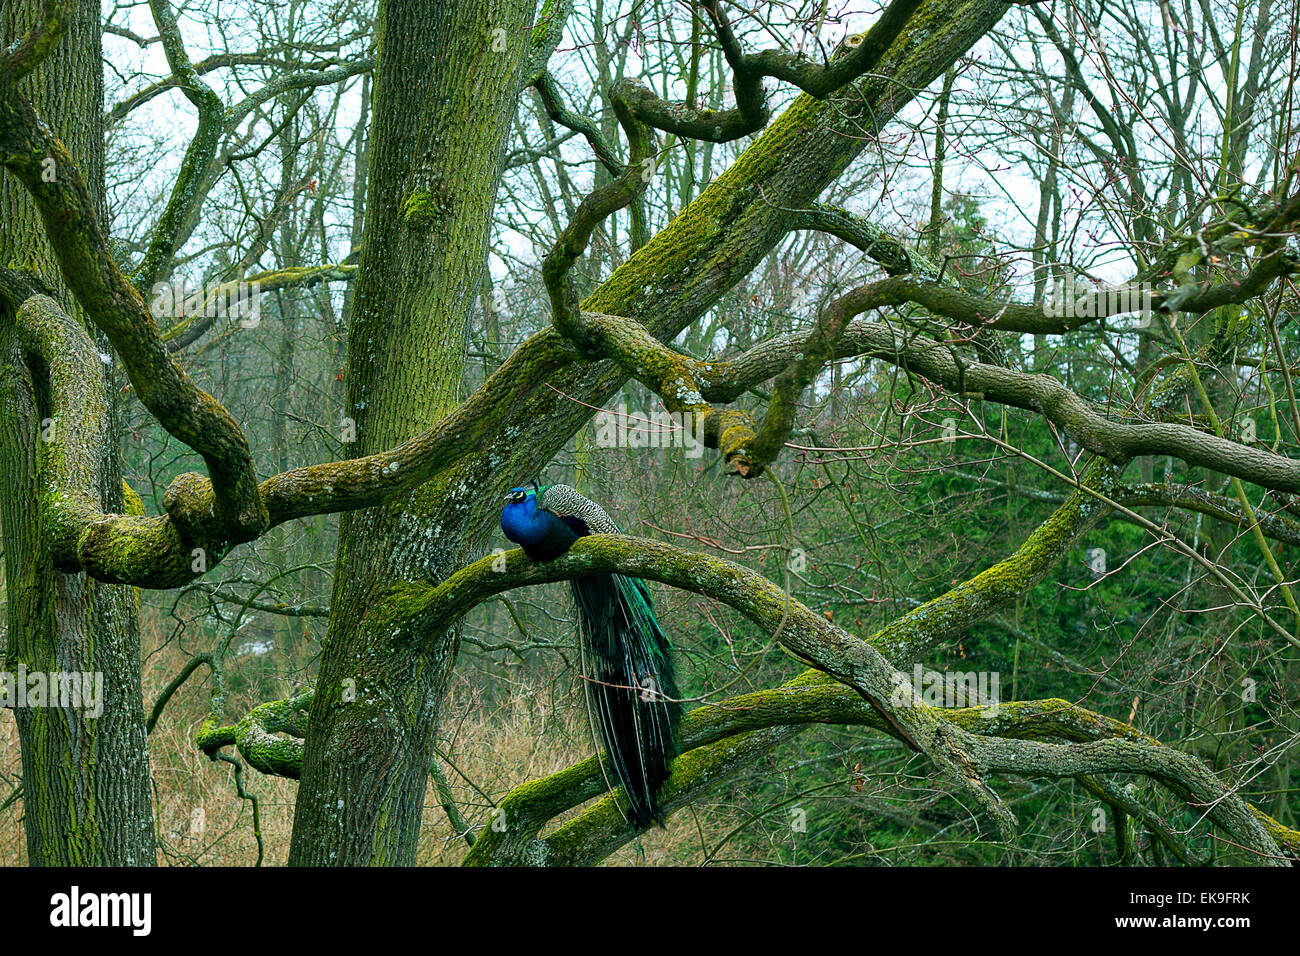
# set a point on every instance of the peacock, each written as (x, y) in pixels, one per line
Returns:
(631, 687)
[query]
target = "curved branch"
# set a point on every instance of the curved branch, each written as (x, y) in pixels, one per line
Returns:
(687, 384)
(172, 549)
(553, 103)
(859, 54)
(169, 232)
(81, 535)
(255, 736)
(35, 45)
(721, 739)
(415, 611)
(1117, 440)
(694, 122)
(894, 256)
(175, 684)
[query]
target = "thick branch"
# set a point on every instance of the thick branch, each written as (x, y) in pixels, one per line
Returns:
(719, 740)
(255, 736)
(34, 46)
(415, 612)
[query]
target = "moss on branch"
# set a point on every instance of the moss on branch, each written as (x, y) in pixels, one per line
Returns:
(76, 234)
(255, 736)
(720, 739)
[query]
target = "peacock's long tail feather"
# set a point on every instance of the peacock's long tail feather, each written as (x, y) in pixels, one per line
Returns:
(631, 686)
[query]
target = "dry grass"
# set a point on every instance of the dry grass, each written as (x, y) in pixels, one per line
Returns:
(535, 727)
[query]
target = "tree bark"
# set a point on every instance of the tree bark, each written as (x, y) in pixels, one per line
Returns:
(446, 82)
(85, 778)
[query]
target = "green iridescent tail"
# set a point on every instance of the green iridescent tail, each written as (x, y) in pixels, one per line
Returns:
(631, 686)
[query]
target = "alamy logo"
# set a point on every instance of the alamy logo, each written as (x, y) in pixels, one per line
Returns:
(1071, 299)
(75, 908)
(948, 689)
(71, 689)
(624, 429)
(213, 300)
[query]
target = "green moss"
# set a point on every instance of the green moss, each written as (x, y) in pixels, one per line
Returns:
(133, 504)
(402, 602)
(421, 207)
(674, 373)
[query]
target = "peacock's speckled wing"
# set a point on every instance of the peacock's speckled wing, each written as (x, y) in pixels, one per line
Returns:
(566, 502)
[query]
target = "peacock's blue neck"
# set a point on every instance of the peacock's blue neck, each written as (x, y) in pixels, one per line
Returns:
(542, 534)
(523, 523)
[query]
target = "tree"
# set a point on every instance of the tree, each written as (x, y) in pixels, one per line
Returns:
(85, 780)
(436, 152)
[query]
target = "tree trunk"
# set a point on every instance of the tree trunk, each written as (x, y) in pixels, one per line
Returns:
(85, 776)
(446, 83)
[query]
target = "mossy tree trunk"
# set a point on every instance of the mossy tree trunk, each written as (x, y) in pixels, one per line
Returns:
(446, 83)
(86, 795)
